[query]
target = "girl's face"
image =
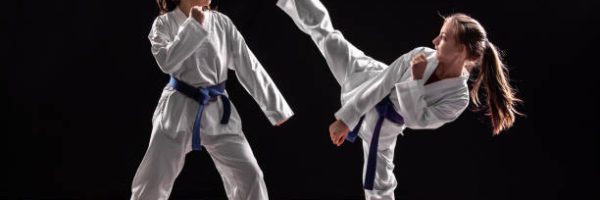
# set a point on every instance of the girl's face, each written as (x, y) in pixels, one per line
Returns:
(448, 49)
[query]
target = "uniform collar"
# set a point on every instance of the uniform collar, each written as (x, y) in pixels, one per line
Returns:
(432, 64)
(180, 17)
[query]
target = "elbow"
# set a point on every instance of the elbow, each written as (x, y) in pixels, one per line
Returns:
(435, 118)
(167, 69)
(166, 65)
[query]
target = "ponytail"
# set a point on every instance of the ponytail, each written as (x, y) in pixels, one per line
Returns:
(499, 96)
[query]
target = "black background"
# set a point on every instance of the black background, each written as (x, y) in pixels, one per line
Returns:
(79, 86)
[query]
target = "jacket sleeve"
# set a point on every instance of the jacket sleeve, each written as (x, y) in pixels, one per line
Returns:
(253, 77)
(371, 92)
(418, 114)
(170, 51)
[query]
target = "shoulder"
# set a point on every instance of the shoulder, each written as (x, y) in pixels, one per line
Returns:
(426, 50)
(222, 21)
(163, 19)
(220, 17)
(160, 25)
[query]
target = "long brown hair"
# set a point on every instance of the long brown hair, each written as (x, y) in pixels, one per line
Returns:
(492, 79)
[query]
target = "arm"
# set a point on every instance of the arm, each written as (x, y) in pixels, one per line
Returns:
(418, 115)
(255, 79)
(170, 51)
(371, 92)
(365, 97)
(416, 112)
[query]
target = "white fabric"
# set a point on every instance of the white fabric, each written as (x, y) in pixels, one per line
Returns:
(200, 55)
(365, 81)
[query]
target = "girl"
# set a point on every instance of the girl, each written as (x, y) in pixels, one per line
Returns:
(196, 46)
(422, 89)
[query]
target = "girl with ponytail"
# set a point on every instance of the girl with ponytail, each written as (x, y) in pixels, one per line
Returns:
(492, 80)
(423, 89)
(196, 46)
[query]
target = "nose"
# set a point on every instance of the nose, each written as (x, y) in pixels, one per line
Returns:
(435, 41)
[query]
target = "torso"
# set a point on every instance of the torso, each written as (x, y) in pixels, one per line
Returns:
(433, 78)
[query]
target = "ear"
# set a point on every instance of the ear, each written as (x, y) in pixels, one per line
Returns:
(462, 48)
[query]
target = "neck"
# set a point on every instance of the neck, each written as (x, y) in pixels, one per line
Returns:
(185, 8)
(449, 70)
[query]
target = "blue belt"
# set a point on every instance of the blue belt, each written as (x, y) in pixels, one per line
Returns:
(385, 109)
(202, 96)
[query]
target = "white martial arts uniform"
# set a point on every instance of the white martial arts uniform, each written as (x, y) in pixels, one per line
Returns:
(365, 82)
(200, 55)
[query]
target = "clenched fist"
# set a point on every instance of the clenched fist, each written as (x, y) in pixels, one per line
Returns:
(338, 132)
(418, 64)
(198, 14)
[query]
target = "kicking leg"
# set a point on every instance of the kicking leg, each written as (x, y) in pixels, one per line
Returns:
(343, 58)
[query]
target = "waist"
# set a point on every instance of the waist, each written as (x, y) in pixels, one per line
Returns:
(201, 94)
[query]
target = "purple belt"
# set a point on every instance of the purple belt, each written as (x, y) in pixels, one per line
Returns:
(385, 109)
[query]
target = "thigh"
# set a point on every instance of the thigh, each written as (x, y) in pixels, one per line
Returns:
(231, 152)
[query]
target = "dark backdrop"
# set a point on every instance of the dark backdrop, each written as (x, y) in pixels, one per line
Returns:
(79, 87)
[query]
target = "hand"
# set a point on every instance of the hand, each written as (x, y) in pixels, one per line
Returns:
(418, 64)
(281, 122)
(197, 13)
(338, 132)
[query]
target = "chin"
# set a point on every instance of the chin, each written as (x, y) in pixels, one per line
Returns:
(437, 55)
